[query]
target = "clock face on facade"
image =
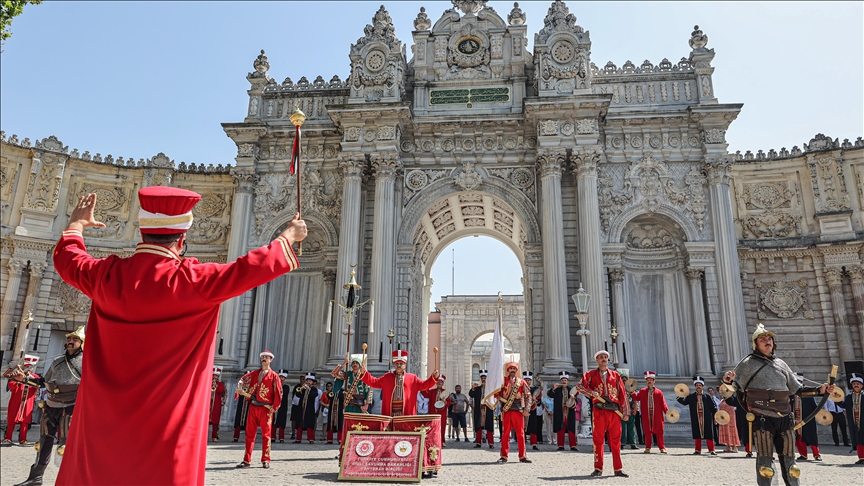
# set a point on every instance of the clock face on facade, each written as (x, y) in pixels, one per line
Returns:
(468, 45)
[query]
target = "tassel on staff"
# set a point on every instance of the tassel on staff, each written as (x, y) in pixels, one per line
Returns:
(297, 118)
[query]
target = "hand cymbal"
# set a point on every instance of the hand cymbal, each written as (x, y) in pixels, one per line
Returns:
(721, 417)
(838, 395)
(682, 390)
(672, 415)
(824, 417)
(630, 385)
(726, 391)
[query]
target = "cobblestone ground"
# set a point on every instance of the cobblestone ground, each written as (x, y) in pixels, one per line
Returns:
(304, 464)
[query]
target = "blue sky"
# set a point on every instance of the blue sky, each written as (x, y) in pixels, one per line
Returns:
(136, 78)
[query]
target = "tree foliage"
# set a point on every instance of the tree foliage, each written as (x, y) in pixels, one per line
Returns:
(9, 9)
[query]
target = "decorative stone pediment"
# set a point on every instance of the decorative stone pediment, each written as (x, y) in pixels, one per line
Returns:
(377, 63)
(561, 53)
(786, 299)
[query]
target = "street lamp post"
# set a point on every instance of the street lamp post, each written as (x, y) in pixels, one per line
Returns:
(581, 300)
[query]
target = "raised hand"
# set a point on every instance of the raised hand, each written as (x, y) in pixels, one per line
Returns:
(296, 230)
(82, 215)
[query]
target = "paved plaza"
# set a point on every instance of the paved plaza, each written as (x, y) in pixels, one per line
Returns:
(304, 464)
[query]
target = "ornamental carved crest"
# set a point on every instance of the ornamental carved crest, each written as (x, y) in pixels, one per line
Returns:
(468, 179)
(784, 298)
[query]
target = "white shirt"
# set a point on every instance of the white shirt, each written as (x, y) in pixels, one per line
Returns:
(422, 404)
(833, 407)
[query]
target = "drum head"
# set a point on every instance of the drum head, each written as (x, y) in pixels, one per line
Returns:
(721, 417)
(682, 390)
(672, 415)
(824, 417)
(440, 404)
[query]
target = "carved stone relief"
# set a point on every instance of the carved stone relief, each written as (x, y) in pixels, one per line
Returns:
(210, 224)
(829, 185)
(112, 207)
(43, 188)
(377, 63)
(71, 300)
(785, 299)
(276, 195)
(764, 200)
(561, 53)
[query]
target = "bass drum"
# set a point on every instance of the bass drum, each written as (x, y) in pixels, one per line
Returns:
(432, 458)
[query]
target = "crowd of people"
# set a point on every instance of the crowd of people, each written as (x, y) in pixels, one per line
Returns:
(157, 292)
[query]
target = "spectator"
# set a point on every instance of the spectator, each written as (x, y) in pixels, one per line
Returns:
(548, 413)
(459, 404)
(839, 415)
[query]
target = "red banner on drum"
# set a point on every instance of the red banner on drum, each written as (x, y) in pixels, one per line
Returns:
(382, 456)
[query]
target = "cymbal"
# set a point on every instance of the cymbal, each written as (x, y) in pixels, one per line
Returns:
(682, 390)
(721, 417)
(726, 391)
(672, 415)
(824, 417)
(837, 395)
(630, 385)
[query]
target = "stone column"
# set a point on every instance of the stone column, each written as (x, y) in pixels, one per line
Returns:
(703, 355)
(383, 278)
(352, 165)
(557, 325)
(730, 296)
(616, 275)
(590, 248)
(834, 278)
(856, 275)
(424, 347)
(15, 268)
(229, 318)
(30, 302)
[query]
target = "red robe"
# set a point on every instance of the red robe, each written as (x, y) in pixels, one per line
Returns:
(218, 398)
(612, 390)
(268, 391)
(154, 318)
(412, 385)
(660, 409)
(432, 395)
(16, 413)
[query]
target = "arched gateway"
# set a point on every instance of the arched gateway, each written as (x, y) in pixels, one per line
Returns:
(613, 177)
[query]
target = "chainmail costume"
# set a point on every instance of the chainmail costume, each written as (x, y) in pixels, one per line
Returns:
(758, 372)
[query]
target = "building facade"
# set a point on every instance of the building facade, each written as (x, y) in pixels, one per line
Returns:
(618, 178)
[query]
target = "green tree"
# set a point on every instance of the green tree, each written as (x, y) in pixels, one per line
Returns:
(9, 9)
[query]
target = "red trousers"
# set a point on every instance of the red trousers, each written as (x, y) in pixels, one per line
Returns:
(606, 421)
(649, 436)
(330, 435)
(258, 417)
(490, 437)
(22, 432)
(571, 436)
(215, 431)
(802, 447)
(310, 434)
(860, 450)
(236, 433)
(512, 419)
(280, 432)
(533, 439)
(699, 445)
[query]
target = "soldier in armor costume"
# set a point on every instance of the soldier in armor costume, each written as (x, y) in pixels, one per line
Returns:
(21, 402)
(653, 408)
(61, 383)
(766, 383)
(853, 405)
(535, 422)
(515, 399)
(484, 419)
(280, 421)
(806, 435)
(217, 401)
(564, 411)
(308, 398)
(702, 410)
(609, 401)
(265, 396)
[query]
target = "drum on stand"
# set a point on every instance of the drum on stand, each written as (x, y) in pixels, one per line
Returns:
(440, 404)
(361, 422)
(432, 458)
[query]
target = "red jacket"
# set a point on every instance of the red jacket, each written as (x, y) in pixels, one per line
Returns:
(171, 304)
(432, 395)
(411, 384)
(505, 391)
(218, 399)
(21, 393)
(268, 391)
(660, 408)
(612, 390)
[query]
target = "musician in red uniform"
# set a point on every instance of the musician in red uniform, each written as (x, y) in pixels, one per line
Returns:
(653, 405)
(398, 387)
(436, 395)
(609, 403)
(265, 395)
(515, 398)
(217, 401)
(21, 402)
(153, 293)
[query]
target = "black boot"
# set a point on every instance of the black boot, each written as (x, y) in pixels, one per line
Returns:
(35, 477)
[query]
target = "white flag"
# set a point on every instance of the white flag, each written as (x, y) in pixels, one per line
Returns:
(495, 379)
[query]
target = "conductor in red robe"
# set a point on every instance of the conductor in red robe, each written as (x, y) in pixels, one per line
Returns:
(20, 408)
(653, 405)
(263, 388)
(217, 401)
(398, 387)
(155, 296)
(606, 390)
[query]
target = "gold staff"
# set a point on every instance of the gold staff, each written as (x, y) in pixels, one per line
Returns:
(297, 118)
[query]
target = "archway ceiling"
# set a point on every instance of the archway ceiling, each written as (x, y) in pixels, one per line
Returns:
(468, 213)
